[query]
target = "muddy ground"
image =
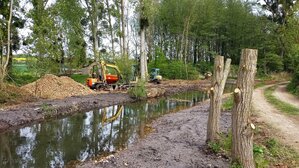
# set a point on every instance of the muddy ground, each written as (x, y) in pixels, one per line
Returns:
(28, 113)
(178, 140)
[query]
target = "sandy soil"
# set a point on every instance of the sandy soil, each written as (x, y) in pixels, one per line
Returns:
(288, 128)
(282, 94)
(178, 140)
(27, 113)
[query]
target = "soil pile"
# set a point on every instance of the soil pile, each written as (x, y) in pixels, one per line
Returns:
(53, 87)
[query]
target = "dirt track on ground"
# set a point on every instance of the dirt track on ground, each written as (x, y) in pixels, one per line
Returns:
(282, 94)
(178, 140)
(287, 128)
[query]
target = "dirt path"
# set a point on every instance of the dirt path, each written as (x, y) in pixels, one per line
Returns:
(282, 94)
(287, 128)
(178, 141)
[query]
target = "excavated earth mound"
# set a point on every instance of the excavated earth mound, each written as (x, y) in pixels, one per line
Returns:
(54, 87)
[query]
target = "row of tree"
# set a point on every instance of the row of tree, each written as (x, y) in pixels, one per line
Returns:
(73, 32)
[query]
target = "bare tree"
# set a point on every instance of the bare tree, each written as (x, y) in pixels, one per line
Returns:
(218, 84)
(242, 128)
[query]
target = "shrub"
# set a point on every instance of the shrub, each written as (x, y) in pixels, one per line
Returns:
(173, 69)
(293, 87)
(138, 91)
(204, 67)
(273, 62)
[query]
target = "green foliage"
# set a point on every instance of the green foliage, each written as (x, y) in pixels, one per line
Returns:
(21, 74)
(138, 91)
(272, 62)
(235, 165)
(22, 79)
(270, 151)
(71, 13)
(173, 69)
(204, 67)
(266, 152)
(280, 105)
(79, 78)
(224, 144)
(215, 147)
(293, 87)
(125, 65)
(10, 94)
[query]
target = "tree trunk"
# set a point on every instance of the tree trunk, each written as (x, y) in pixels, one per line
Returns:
(142, 54)
(219, 79)
(123, 28)
(93, 12)
(3, 70)
(111, 30)
(242, 128)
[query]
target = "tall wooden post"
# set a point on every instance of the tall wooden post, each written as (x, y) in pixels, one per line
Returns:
(242, 128)
(218, 84)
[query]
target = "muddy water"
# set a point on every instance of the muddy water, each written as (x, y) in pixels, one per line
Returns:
(93, 133)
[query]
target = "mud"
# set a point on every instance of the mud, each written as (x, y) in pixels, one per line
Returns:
(27, 113)
(178, 140)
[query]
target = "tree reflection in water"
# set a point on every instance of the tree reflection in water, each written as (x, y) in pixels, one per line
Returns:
(85, 135)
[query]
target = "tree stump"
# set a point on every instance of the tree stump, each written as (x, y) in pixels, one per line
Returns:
(242, 128)
(218, 83)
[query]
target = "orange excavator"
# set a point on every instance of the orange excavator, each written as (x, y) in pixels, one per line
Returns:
(103, 76)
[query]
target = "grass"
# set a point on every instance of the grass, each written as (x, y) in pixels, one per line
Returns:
(79, 78)
(280, 105)
(267, 151)
(228, 103)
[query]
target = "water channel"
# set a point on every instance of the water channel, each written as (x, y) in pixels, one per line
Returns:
(88, 134)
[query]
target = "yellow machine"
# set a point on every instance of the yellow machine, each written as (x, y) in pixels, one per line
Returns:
(103, 75)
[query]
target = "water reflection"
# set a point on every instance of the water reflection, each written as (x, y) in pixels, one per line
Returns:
(85, 135)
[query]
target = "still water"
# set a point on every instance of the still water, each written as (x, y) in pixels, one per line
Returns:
(88, 134)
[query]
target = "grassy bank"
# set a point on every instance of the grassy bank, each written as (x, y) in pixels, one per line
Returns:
(268, 152)
(280, 105)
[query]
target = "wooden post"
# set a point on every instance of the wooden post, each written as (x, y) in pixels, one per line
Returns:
(218, 84)
(242, 128)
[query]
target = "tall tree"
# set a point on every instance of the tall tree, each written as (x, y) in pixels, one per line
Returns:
(95, 11)
(46, 37)
(123, 29)
(72, 18)
(4, 64)
(110, 11)
(143, 25)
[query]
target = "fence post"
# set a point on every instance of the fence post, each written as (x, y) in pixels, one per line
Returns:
(242, 128)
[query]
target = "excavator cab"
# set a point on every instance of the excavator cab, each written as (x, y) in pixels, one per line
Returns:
(155, 75)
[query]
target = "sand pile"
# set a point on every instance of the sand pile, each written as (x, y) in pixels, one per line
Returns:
(53, 87)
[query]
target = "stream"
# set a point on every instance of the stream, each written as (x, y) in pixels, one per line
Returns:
(95, 133)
